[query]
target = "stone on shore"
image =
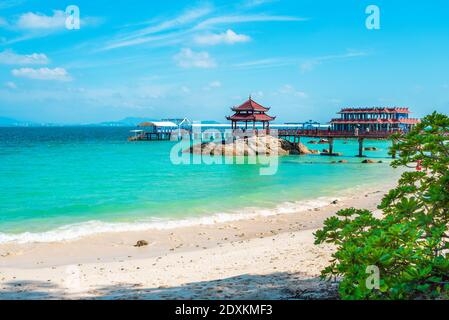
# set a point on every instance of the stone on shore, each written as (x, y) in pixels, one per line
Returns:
(141, 243)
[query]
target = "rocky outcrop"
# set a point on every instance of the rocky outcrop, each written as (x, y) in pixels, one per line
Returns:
(252, 146)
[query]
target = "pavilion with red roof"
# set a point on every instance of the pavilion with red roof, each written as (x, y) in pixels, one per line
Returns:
(374, 119)
(250, 111)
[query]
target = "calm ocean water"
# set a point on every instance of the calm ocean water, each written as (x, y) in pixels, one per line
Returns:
(60, 183)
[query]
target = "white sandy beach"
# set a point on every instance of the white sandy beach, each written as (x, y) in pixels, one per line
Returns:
(265, 257)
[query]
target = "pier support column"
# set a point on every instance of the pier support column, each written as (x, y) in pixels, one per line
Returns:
(331, 146)
(360, 147)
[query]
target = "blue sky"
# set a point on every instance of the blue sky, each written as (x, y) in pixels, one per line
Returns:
(303, 58)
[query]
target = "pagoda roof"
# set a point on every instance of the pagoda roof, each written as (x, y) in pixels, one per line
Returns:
(376, 110)
(251, 117)
(250, 105)
(374, 121)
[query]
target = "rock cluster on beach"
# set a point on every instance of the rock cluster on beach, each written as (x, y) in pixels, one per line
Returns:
(251, 146)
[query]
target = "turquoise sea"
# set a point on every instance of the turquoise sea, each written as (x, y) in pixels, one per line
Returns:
(61, 183)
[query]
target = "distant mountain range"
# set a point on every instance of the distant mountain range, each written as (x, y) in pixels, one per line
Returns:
(9, 122)
(126, 122)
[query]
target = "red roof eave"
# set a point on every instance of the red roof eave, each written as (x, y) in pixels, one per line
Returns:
(251, 117)
(373, 121)
(250, 105)
(375, 110)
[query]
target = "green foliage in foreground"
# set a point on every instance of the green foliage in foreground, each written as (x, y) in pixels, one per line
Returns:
(409, 242)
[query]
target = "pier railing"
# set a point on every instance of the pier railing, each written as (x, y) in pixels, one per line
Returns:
(319, 133)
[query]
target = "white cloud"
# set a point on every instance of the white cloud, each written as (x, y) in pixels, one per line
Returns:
(310, 64)
(3, 22)
(256, 3)
(10, 85)
(266, 63)
(288, 89)
(187, 58)
(32, 25)
(153, 33)
(228, 37)
(59, 74)
(5, 4)
(215, 84)
(212, 85)
(39, 21)
(180, 28)
(245, 18)
(185, 89)
(10, 57)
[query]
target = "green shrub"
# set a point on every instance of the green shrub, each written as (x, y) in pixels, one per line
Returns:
(409, 242)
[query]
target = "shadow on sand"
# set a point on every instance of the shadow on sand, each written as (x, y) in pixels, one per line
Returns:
(271, 287)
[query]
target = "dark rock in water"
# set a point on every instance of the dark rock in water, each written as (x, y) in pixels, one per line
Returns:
(370, 149)
(141, 243)
(343, 161)
(312, 142)
(323, 141)
(368, 161)
(380, 161)
(325, 150)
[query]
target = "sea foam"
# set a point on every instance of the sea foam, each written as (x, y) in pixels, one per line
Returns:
(80, 230)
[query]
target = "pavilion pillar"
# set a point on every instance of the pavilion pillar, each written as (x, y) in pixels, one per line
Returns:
(331, 146)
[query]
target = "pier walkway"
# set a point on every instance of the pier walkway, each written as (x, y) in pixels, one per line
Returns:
(330, 135)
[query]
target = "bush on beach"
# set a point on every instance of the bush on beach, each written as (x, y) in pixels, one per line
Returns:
(409, 243)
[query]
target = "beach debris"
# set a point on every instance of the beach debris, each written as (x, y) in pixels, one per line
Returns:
(141, 243)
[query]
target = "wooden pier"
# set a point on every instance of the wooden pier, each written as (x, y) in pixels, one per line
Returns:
(294, 135)
(331, 135)
(151, 136)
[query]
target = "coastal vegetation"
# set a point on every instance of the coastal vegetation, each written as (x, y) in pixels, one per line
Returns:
(403, 253)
